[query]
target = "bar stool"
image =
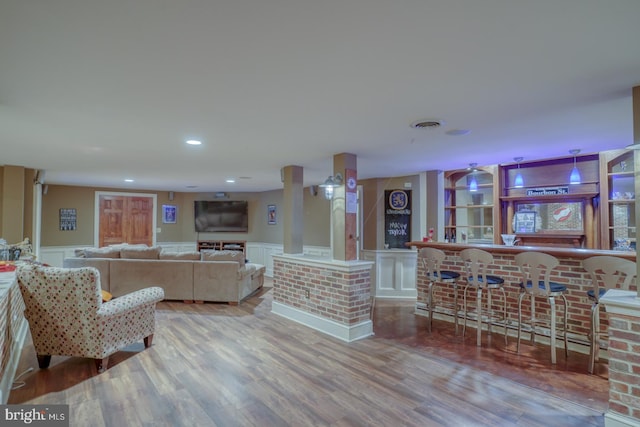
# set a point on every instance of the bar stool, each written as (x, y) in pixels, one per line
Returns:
(476, 262)
(606, 272)
(536, 270)
(432, 260)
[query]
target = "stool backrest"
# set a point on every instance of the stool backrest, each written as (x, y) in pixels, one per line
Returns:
(432, 260)
(535, 267)
(609, 272)
(476, 262)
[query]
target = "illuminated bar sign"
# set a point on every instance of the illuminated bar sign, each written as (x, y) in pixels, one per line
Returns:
(551, 191)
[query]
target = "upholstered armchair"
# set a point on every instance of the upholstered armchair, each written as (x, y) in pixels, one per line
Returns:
(67, 316)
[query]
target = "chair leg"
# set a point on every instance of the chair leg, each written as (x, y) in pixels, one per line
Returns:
(504, 315)
(455, 305)
(479, 317)
(148, 340)
(430, 303)
(552, 332)
(520, 298)
(564, 326)
(464, 302)
(44, 360)
(101, 364)
(594, 338)
(532, 336)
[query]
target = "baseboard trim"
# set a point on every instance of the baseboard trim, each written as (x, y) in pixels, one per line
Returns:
(329, 327)
(612, 419)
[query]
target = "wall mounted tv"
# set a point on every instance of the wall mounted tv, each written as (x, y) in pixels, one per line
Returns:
(217, 215)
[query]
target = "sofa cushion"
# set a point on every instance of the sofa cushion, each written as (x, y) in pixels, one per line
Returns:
(188, 256)
(140, 252)
(105, 252)
(237, 256)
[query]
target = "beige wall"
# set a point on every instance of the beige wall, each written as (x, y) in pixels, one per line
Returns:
(16, 203)
(316, 211)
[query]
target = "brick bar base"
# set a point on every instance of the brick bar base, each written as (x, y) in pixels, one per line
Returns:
(623, 309)
(331, 296)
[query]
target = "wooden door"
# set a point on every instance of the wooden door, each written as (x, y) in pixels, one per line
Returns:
(125, 219)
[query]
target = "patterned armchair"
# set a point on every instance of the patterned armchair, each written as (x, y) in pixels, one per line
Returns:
(67, 317)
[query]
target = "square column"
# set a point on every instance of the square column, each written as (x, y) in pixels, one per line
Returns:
(293, 209)
(344, 208)
(623, 309)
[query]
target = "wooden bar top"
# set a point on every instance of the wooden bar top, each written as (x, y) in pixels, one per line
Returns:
(561, 252)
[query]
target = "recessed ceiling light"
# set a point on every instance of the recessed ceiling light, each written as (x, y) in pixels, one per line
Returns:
(230, 180)
(128, 180)
(458, 132)
(194, 142)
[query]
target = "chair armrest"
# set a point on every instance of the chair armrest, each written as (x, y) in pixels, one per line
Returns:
(131, 301)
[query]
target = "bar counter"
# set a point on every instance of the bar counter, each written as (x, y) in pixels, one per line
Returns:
(558, 252)
(569, 272)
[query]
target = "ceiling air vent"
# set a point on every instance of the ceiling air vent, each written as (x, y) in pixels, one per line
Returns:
(427, 124)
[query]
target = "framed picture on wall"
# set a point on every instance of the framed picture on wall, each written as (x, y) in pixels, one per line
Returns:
(525, 222)
(271, 215)
(68, 219)
(169, 214)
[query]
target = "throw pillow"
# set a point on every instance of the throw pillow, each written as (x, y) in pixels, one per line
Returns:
(184, 256)
(106, 296)
(105, 252)
(135, 252)
(237, 256)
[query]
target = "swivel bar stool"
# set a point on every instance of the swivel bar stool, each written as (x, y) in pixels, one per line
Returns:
(606, 272)
(536, 268)
(432, 259)
(476, 262)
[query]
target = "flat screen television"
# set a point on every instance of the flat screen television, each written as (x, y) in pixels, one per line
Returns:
(217, 215)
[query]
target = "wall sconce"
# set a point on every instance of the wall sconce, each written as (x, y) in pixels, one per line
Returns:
(518, 182)
(329, 184)
(575, 178)
(473, 184)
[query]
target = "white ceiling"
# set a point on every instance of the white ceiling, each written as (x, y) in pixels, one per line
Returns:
(93, 92)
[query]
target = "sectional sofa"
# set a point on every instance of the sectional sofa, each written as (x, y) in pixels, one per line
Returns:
(217, 276)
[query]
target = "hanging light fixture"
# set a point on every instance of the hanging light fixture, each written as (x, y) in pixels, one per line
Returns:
(518, 182)
(329, 184)
(575, 178)
(473, 183)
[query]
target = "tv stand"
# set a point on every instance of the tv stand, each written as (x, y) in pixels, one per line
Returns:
(223, 245)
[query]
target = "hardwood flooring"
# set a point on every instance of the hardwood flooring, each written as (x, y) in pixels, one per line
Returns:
(223, 365)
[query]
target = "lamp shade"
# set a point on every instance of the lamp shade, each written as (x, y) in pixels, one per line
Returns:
(473, 184)
(518, 182)
(575, 177)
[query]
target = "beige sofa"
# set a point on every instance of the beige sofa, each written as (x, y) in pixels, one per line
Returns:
(220, 276)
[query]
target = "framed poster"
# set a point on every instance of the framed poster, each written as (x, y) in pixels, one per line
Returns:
(525, 222)
(271, 215)
(68, 219)
(169, 214)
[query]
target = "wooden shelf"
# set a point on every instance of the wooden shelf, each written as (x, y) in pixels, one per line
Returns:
(223, 245)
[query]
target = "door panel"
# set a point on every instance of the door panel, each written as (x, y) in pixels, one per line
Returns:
(125, 219)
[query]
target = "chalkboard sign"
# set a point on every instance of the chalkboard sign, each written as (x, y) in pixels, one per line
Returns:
(397, 218)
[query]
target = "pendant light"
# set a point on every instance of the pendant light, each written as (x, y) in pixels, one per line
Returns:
(575, 178)
(473, 183)
(518, 182)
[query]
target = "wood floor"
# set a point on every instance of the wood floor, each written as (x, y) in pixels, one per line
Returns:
(222, 365)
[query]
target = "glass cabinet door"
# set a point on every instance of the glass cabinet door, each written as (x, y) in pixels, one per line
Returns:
(469, 208)
(622, 203)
